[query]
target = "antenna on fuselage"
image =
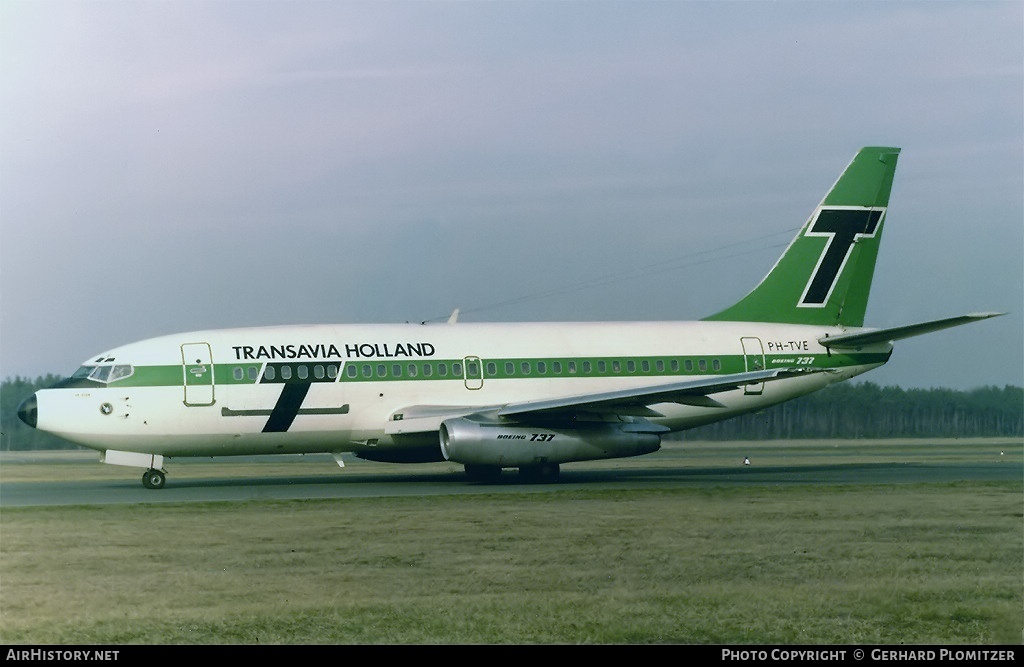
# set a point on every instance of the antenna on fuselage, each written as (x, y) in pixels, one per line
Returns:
(452, 319)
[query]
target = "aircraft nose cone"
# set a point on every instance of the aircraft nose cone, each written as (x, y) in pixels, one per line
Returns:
(28, 411)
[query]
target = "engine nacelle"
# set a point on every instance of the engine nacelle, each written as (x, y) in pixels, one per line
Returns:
(490, 443)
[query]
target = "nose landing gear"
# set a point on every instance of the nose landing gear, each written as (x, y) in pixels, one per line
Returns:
(153, 479)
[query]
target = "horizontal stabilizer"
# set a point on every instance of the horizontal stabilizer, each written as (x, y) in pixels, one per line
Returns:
(860, 339)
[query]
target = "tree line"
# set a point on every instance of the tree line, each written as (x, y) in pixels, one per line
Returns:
(844, 410)
(867, 410)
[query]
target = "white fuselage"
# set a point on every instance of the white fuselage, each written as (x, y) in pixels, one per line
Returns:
(355, 387)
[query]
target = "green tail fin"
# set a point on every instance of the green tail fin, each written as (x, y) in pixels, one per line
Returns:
(825, 274)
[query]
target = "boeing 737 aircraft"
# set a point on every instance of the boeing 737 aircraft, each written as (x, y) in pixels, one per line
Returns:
(492, 396)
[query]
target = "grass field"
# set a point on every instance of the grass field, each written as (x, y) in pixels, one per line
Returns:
(909, 563)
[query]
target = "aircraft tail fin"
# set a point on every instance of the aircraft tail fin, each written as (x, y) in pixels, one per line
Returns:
(825, 274)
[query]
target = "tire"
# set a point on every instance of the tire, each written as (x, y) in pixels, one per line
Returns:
(153, 479)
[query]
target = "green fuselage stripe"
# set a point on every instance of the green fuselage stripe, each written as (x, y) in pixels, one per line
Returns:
(472, 368)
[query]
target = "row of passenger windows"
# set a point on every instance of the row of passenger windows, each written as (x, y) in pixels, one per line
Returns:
(525, 368)
(428, 369)
(602, 367)
(455, 369)
(288, 372)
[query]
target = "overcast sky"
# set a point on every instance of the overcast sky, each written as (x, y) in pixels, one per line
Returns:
(172, 166)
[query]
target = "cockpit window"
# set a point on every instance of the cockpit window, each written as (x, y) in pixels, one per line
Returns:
(101, 373)
(120, 372)
(108, 372)
(82, 372)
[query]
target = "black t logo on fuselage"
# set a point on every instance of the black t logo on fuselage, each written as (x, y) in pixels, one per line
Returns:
(842, 227)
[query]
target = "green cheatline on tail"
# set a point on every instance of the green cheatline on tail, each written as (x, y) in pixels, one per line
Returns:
(824, 276)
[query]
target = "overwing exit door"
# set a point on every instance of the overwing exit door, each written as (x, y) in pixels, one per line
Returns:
(473, 372)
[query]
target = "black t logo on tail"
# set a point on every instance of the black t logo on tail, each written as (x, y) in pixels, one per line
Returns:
(842, 227)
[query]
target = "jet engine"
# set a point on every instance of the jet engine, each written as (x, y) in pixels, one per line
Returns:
(511, 445)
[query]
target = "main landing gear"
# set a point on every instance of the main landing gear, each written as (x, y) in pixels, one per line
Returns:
(154, 479)
(483, 473)
(541, 473)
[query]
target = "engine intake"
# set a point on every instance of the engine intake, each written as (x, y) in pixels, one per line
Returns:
(492, 443)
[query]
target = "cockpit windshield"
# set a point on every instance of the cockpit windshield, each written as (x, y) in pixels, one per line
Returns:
(105, 373)
(82, 372)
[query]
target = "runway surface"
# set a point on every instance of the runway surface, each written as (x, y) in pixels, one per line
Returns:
(81, 480)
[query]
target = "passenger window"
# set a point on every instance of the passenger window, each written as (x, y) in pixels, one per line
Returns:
(396, 370)
(645, 366)
(689, 365)
(702, 365)
(303, 372)
(351, 371)
(382, 371)
(412, 370)
(572, 367)
(367, 371)
(428, 370)
(525, 367)
(556, 367)
(631, 366)
(586, 368)
(239, 373)
(253, 372)
(269, 373)
(442, 369)
(716, 365)
(542, 367)
(318, 372)
(675, 365)
(510, 368)
(492, 368)
(286, 372)
(602, 367)
(659, 366)
(457, 370)
(616, 367)
(332, 371)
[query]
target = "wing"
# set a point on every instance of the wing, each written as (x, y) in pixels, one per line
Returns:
(633, 402)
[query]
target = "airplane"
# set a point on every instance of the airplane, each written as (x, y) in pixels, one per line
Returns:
(494, 396)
